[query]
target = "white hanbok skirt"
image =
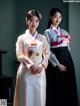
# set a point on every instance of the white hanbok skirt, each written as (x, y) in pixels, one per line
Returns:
(30, 89)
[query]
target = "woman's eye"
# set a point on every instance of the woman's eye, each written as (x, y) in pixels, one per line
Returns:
(37, 21)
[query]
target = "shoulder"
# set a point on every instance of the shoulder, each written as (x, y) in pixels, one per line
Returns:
(20, 36)
(64, 31)
(47, 32)
(41, 36)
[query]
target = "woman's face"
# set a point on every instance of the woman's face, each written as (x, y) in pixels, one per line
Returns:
(33, 23)
(56, 19)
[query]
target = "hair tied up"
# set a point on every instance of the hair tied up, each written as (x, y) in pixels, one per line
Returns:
(40, 16)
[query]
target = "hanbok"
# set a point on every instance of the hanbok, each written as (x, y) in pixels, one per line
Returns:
(30, 88)
(61, 86)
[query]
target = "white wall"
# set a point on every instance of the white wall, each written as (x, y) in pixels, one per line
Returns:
(74, 29)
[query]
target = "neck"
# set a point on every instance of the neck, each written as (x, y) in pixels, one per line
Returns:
(56, 26)
(32, 31)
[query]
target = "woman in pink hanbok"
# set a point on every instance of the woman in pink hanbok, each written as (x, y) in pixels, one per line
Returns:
(33, 53)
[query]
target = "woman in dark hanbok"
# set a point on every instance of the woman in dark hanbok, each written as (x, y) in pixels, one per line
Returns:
(61, 80)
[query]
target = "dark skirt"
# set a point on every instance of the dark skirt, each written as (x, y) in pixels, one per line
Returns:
(61, 86)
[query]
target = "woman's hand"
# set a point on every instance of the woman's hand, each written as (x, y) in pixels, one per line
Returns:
(61, 67)
(36, 70)
(40, 68)
(33, 69)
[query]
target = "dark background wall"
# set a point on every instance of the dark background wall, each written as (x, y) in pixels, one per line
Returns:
(12, 24)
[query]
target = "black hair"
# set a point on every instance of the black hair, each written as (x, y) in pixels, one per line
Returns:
(52, 13)
(32, 13)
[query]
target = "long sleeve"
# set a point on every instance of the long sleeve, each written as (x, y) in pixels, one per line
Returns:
(52, 58)
(46, 53)
(21, 56)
